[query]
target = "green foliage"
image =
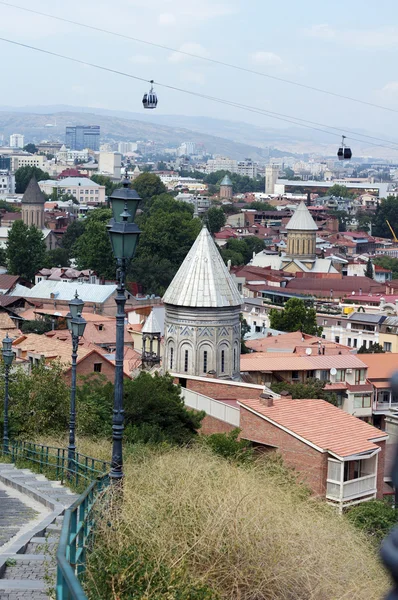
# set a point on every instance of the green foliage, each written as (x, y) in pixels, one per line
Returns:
(312, 388)
(25, 250)
(364, 221)
(24, 174)
(147, 186)
(244, 329)
(110, 186)
(228, 446)
(215, 219)
(38, 326)
(155, 411)
(340, 191)
(58, 257)
(93, 249)
(387, 262)
(31, 148)
(260, 206)
(343, 217)
(240, 252)
(8, 207)
(39, 401)
(386, 210)
(143, 573)
(376, 518)
(374, 348)
(72, 234)
(295, 316)
(240, 183)
(3, 257)
(369, 269)
(57, 197)
(94, 403)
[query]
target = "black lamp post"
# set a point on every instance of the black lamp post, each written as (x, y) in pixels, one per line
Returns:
(8, 357)
(123, 233)
(76, 325)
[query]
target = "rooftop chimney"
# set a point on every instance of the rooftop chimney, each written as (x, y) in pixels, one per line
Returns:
(266, 400)
(211, 375)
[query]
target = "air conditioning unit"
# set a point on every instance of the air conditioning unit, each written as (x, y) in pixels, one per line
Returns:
(349, 371)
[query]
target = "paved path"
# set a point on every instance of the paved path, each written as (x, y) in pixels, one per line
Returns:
(29, 537)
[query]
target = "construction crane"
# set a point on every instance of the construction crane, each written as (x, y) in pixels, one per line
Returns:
(394, 237)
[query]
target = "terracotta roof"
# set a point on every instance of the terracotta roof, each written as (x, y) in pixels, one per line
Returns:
(267, 361)
(320, 423)
(380, 366)
(8, 281)
(294, 341)
(360, 387)
(47, 347)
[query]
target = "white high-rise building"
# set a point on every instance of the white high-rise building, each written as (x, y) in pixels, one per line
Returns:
(110, 163)
(124, 147)
(221, 164)
(271, 176)
(187, 149)
(17, 140)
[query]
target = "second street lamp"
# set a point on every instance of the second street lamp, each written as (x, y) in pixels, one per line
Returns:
(76, 325)
(8, 357)
(123, 233)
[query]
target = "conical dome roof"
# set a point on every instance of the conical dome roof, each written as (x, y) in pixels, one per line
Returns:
(302, 220)
(33, 194)
(203, 279)
(151, 325)
(226, 181)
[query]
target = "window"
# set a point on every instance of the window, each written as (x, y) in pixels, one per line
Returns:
(337, 339)
(222, 361)
(205, 361)
(235, 359)
(186, 361)
(325, 322)
(100, 327)
(348, 341)
(97, 367)
(310, 374)
(340, 375)
(171, 358)
(295, 375)
(324, 375)
(387, 346)
(362, 401)
(359, 376)
(355, 342)
(338, 323)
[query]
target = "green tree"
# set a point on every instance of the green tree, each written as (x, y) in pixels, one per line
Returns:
(57, 257)
(295, 316)
(260, 206)
(26, 250)
(340, 191)
(38, 326)
(72, 234)
(387, 262)
(148, 185)
(369, 269)
(373, 348)
(24, 174)
(3, 257)
(244, 329)
(375, 517)
(7, 206)
(110, 186)
(364, 221)
(94, 402)
(386, 210)
(93, 249)
(240, 252)
(31, 148)
(57, 197)
(343, 217)
(312, 388)
(215, 218)
(155, 411)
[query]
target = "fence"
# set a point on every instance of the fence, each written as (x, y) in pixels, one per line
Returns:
(79, 518)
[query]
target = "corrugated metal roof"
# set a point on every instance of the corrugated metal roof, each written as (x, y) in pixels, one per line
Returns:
(302, 220)
(88, 292)
(320, 423)
(361, 317)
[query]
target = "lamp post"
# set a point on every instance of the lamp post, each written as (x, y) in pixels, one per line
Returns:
(8, 357)
(76, 325)
(123, 233)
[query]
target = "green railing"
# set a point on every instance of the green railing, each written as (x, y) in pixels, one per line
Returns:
(78, 520)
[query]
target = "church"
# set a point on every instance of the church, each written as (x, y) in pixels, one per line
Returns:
(202, 307)
(300, 255)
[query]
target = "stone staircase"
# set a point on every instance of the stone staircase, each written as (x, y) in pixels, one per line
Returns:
(28, 559)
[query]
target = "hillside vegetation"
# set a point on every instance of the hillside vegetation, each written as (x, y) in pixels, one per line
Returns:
(195, 526)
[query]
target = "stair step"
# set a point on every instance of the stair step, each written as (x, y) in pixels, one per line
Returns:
(30, 570)
(21, 585)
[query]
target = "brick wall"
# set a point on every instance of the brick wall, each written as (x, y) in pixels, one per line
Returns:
(311, 464)
(86, 367)
(212, 425)
(222, 390)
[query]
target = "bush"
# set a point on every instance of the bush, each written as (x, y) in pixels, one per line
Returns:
(39, 326)
(375, 517)
(228, 446)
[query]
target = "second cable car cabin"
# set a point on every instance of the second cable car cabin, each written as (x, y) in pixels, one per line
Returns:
(150, 100)
(344, 152)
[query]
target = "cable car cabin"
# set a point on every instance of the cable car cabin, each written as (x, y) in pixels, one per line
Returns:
(150, 100)
(344, 152)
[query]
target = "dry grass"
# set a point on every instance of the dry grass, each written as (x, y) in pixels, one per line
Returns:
(237, 530)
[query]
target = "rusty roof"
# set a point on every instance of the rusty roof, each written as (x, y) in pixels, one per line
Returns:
(320, 423)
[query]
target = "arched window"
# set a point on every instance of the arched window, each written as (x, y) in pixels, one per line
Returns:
(222, 361)
(186, 361)
(171, 358)
(234, 359)
(205, 361)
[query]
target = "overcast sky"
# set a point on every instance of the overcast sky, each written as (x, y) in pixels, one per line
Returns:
(350, 47)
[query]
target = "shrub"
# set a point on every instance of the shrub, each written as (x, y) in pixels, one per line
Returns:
(228, 445)
(375, 517)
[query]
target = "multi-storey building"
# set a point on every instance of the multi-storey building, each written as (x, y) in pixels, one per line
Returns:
(16, 140)
(80, 137)
(82, 188)
(110, 163)
(27, 160)
(7, 183)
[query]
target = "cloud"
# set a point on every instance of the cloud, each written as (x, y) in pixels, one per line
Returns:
(189, 48)
(267, 58)
(381, 37)
(390, 88)
(190, 76)
(166, 19)
(141, 59)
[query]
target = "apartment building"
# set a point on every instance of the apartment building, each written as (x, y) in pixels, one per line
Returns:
(83, 189)
(357, 330)
(27, 160)
(7, 183)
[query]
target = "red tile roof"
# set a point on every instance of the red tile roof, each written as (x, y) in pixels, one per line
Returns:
(321, 424)
(380, 366)
(269, 361)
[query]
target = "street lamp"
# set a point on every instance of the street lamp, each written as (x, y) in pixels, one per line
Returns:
(8, 357)
(76, 325)
(123, 233)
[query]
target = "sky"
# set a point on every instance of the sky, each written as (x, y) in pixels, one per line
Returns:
(350, 48)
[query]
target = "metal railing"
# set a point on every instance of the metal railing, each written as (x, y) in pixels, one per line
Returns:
(78, 523)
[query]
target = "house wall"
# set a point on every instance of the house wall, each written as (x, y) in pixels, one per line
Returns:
(223, 390)
(86, 367)
(212, 425)
(311, 464)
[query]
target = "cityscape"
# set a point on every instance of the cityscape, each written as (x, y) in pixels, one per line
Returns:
(199, 309)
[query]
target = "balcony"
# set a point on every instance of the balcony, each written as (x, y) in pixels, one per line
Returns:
(344, 487)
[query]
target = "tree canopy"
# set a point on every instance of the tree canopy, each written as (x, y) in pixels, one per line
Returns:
(240, 252)
(312, 388)
(25, 250)
(110, 186)
(295, 316)
(148, 186)
(340, 191)
(240, 183)
(31, 148)
(369, 269)
(215, 218)
(24, 174)
(72, 234)
(373, 348)
(93, 250)
(386, 210)
(387, 262)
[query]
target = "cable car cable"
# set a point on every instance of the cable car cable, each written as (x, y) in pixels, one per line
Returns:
(207, 59)
(207, 97)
